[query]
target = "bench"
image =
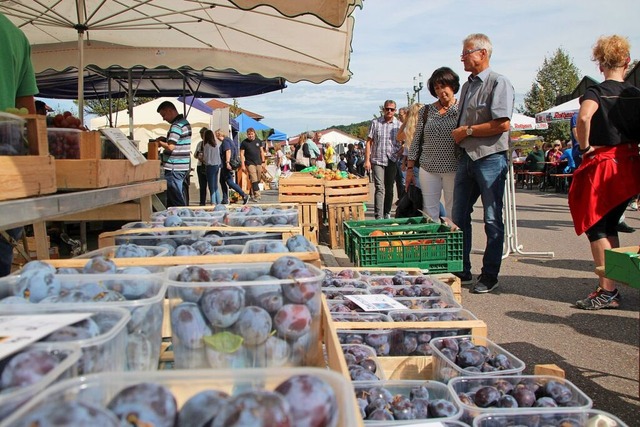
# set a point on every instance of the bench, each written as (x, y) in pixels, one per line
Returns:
(562, 181)
(530, 178)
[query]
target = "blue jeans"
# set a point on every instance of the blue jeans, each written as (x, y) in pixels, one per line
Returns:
(175, 187)
(226, 182)
(212, 180)
(6, 250)
(484, 178)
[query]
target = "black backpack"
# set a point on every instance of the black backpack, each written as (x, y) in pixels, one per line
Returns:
(305, 150)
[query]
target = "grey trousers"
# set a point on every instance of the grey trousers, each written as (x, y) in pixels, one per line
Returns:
(383, 180)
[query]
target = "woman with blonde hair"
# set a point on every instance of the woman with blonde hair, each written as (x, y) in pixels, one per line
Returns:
(406, 133)
(608, 133)
(433, 147)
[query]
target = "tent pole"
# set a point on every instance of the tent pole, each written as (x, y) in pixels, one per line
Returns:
(81, 75)
(130, 103)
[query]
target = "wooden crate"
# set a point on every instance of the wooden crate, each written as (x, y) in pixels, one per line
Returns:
(399, 367)
(300, 188)
(308, 220)
(337, 214)
(342, 191)
(33, 174)
(91, 171)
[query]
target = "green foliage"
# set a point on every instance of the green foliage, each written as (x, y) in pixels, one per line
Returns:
(100, 107)
(558, 130)
(557, 76)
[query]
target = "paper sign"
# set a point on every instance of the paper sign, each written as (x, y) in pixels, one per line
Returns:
(17, 332)
(125, 146)
(376, 302)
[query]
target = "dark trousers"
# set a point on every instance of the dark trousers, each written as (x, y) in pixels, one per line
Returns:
(226, 182)
(201, 170)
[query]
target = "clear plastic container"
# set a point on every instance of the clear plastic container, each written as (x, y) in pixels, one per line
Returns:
(572, 397)
(263, 218)
(398, 281)
(337, 283)
(430, 316)
(381, 340)
(333, 294)
(533, 418)
(441, 303)
(241, 316)
(360, 317)
(359, 357)
(64, 143)
(12, 136)
(342, 274)
(436, 392)
(141, 294)
(444, 369)
(103, 352)
(265, 247)
(99, 389)
(67, 357)
(127, 251)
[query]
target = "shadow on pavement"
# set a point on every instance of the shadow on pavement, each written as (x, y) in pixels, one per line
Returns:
(577, 265)
(584, 379)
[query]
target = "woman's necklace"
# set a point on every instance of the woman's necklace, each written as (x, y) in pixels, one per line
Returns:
(446, 108)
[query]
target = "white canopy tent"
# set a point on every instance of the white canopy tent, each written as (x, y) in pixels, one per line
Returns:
(149, 125)
(560, 112)
(520, 122)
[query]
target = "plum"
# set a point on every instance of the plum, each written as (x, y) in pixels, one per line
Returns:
(545, 402)
(300, 243)
(266, 296)
(188, 325)
(139, 352)
(292, 321)
(559, 392)
(185, 250)
(283, 267)
(507, 401)
(439, 408)
(99, 265)
(201, 408)
(37, 265)
(130, 250)
(37, 284)
(525, 397)
(222, 306)
(27, 367)
(486, 396)
(273, 352)
(469, 357)
(254, 325)
(312, 400)
(69, 413)
(402, 408)
(255, 408)
(145, 404)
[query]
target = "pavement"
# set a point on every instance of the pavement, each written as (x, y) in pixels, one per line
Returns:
(532, 313)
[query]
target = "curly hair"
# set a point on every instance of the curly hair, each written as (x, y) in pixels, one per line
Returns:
(611, 51)
(411, 121)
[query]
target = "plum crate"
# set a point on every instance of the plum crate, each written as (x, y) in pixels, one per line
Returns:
(300, 188)
(561, 417)
(91, 170)
(33, 174)
(623, 265)
(432, 247)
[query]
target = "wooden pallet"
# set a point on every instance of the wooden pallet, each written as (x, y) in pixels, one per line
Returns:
(337, 214)
(33, 174)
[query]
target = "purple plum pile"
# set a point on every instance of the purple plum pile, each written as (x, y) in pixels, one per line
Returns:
(301, 400)
(245, 317)
(101, 282)
(378, 403)
(361, 362)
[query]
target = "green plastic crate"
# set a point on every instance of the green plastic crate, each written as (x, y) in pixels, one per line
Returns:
(623, 265)
(349, 226)
(433, 247)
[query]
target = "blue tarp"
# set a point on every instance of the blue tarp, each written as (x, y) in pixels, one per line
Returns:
(245, 122)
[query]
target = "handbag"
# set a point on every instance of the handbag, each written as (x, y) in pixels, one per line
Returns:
(234, 162)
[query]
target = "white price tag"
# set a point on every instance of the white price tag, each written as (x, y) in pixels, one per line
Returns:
(376, 302)
(17, 332)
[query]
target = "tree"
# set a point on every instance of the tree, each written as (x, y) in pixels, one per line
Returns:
(100, 107)
(557, 76)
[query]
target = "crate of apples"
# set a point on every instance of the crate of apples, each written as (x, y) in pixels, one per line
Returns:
(64, 136)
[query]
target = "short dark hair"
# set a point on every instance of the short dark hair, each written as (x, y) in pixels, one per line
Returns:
(165, 106)
(444, 76)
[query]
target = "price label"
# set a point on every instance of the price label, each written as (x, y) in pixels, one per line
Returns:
(376, 302)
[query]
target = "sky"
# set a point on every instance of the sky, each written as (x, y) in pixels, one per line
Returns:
(395, 40)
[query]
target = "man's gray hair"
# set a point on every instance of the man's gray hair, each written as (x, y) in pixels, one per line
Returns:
(479, 41)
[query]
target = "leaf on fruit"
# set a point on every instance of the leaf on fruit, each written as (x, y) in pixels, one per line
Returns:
(224, 342)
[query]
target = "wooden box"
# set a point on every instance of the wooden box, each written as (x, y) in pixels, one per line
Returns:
(308, 220)
(91, 171)
(337, 214)
(33, 174)
(343, 191)
(300, 188)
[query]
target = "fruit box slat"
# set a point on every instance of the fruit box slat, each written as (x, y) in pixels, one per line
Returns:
(346, 191)
(33, 174)
(300, 188)
(397, 367)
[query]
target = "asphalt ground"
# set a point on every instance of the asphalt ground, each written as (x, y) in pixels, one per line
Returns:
(532, 313)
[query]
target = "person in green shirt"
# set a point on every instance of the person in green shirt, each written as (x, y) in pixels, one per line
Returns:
(17, 90)
(535, 160)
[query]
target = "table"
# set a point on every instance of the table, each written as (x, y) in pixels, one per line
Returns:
(79, 205)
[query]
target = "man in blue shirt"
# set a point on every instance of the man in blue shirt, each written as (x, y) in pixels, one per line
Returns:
(483, 137)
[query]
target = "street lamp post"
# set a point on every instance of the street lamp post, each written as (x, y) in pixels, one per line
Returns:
(418, 84)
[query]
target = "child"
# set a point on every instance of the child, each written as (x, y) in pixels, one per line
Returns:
(342, 164)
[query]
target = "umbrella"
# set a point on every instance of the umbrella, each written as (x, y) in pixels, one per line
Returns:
(520, 122)
(245, 122)
(177, 33)
(559, 112)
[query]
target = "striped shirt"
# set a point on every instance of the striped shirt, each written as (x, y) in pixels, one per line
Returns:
(180, 135)
(384, 146)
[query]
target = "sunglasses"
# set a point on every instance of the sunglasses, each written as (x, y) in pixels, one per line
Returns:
(469, 52)
(389, 109)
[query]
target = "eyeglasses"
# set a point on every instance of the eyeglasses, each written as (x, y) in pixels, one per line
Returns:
(389, 109)
(469, 52)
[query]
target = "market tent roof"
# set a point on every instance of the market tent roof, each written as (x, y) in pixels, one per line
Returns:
(245, 122)
(201, 34)
(559, 112)
(144, 82)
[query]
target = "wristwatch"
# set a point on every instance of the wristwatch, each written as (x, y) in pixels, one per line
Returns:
(469, 131)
